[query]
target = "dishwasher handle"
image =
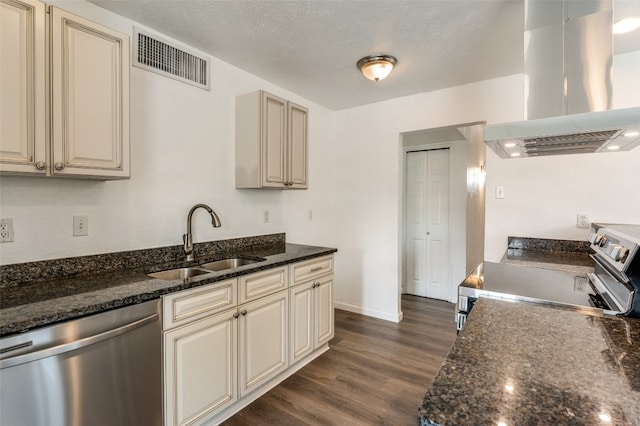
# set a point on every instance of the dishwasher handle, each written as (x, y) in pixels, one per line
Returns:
(77, 344)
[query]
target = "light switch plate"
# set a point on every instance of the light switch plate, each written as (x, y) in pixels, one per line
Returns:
(500, 192)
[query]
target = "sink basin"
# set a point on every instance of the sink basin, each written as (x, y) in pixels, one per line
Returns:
(234, 262)
(178, 274)
(207, 268)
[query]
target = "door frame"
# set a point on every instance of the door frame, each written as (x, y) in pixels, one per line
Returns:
(403, 232)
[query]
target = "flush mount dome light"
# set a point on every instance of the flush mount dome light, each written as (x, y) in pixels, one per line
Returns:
(626, 25)
(376, 67)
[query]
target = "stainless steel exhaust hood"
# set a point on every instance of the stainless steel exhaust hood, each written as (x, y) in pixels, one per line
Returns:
(568, 69)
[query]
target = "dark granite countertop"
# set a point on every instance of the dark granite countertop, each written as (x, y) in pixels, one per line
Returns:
(26, 303)
(567, 255)
(517, 363)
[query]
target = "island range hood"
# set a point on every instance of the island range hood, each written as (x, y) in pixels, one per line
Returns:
(568, 68)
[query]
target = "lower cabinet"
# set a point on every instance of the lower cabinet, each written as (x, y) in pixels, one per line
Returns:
(212, 362)
(221, 354)
(311, 316)
(200, 368)
(263, 340)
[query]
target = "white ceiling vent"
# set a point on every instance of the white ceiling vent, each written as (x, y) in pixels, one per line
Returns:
(163, 57)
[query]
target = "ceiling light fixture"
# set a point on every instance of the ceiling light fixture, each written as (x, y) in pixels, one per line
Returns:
(626, 25)
(376, 67)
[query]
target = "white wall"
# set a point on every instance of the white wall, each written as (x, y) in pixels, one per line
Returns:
(544, 195)
(476, 194)
(182, 153)
(368, 200)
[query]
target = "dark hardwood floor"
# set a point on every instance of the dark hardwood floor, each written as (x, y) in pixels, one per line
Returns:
(375, 373)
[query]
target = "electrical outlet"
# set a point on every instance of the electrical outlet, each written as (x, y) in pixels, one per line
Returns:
(80, 226)
(6, 230)
(583, 220)
(266, 216)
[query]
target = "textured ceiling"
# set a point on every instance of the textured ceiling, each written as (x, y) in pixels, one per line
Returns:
(311, 47)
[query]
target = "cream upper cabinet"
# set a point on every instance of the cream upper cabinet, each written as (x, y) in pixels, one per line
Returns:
(297, 146)
(22, 87)
(85, 132)
(90, 98)
(271, 142)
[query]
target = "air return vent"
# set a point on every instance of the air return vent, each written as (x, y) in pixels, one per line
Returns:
(163, 57)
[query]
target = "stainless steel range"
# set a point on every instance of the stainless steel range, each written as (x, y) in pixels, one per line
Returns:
(612, 289)
(617, 272)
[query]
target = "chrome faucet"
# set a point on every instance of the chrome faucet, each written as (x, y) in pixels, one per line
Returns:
(188, 238)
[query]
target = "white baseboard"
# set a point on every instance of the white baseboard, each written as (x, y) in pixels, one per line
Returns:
(369, 312)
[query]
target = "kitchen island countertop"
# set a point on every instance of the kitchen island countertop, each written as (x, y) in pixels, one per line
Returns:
(48, 301)
(519, 363)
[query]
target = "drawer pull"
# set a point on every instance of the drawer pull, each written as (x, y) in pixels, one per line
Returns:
(319, 268)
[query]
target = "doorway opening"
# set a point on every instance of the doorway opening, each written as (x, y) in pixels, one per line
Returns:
(442, 228)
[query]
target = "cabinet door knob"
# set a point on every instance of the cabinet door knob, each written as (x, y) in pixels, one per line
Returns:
(59, 166)
(243, 312)
(236, 315)
(41, 165)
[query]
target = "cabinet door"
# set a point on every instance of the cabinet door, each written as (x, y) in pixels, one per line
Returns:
(297, 146)
(90, 98)
(301, 324)
(323, 310)
(200, 368)
(263, 338)
(274, 140)
(22, 85)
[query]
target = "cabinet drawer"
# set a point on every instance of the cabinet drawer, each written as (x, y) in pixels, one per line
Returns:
(310, 269)
(262, 283)
(197, 303)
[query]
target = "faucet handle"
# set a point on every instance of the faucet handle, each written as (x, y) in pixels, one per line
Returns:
(188, 246)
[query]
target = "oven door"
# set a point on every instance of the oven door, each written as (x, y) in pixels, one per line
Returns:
(610, 289)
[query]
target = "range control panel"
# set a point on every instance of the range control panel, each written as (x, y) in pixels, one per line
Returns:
(617, 248)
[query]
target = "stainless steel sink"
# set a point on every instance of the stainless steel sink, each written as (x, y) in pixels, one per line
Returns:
(234, 262)
(178, 274)
(207, 268)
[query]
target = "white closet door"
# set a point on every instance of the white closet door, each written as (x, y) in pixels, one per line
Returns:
(427, 224)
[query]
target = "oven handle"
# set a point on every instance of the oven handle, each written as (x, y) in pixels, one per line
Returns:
(602, 290)
(66, 347)
(604, 266)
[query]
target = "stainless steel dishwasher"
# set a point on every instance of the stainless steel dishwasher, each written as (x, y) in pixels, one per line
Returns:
(104, 369)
